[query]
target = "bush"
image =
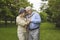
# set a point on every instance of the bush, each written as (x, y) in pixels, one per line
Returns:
(43, 16)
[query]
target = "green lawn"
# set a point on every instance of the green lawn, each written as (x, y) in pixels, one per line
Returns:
(9, 32)
(47, 32)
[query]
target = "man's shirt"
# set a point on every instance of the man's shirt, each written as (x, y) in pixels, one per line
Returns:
(35, 20)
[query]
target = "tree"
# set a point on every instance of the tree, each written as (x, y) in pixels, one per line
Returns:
(9, 9)
(54, 11)
(43, 16)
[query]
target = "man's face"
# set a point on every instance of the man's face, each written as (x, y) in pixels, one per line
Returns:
(29, 12)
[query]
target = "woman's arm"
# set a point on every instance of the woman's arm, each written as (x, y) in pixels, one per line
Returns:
(20, 22)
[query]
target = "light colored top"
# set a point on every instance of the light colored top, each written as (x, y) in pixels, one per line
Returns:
(21, 22)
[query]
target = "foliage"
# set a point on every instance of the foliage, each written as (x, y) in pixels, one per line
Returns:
(43, 16)
(9, 8)
(54, 11)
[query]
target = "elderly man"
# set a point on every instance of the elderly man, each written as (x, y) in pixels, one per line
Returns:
(35, 21)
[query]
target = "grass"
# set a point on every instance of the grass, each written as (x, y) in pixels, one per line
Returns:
(48, 31)
(9, 32)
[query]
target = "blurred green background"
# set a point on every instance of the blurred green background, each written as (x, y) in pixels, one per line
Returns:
(49, 27)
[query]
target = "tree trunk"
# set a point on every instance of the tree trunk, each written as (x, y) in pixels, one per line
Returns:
(58, 24)
(11, 20)
(5, 21)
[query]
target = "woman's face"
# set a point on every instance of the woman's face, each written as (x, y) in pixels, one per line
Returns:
(23, 14)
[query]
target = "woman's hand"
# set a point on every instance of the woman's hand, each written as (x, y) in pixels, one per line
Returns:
(29, 20)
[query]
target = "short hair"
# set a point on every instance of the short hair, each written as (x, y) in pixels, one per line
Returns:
(28, 8)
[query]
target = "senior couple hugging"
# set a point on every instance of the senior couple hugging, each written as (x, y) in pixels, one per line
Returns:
(28, 22)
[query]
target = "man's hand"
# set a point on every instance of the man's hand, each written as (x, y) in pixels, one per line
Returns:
(27, 22)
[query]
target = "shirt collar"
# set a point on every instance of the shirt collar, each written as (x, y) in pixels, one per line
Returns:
(30, 15)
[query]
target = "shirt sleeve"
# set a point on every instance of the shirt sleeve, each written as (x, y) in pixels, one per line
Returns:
(20, 22)
(36, 18)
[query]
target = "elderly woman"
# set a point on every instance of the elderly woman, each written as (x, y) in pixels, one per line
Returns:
(22, 24)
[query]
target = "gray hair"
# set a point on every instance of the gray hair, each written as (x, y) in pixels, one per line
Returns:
(28, 8)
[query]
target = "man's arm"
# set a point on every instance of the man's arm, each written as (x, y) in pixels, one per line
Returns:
(36, 18)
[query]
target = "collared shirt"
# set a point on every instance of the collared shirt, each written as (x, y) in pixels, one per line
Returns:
(35, 20)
